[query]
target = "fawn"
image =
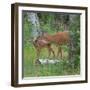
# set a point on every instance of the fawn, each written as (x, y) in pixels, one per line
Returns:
(40, 43)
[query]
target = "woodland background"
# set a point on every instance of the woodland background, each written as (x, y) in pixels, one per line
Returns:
(34, 23)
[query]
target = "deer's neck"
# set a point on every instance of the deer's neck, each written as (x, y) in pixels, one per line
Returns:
(49, 38)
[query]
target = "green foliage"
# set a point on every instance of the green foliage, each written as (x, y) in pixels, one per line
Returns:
(75, 31)
(50, 22)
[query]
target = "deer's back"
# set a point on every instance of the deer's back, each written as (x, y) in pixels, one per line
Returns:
(59, 38)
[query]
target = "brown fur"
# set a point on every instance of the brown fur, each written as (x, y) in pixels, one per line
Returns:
(60, 38)
(41, 43)
(45, 41)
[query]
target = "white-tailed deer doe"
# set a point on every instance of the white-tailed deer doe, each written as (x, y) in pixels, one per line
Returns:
(46, 40)
(60, 38)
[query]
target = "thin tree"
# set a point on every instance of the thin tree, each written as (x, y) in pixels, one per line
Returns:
(33, 18)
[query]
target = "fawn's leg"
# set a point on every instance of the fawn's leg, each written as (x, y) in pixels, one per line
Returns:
(37, 54)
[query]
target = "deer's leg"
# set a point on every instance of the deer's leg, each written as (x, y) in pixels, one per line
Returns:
(50, 50)
(53, 52)
(59, 52)
(37, 55)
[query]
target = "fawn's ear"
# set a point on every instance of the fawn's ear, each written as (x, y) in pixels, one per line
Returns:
(34, 39)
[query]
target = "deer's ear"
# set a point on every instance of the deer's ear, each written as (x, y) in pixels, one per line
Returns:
(34, 39)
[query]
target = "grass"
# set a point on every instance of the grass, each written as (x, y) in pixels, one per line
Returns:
(59, 69)
(29, 54)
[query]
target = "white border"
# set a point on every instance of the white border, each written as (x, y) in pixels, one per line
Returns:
(54, 78)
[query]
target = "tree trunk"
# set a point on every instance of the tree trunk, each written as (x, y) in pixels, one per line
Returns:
(33, 18)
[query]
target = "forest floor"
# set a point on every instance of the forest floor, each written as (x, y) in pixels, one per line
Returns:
(59, 69)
